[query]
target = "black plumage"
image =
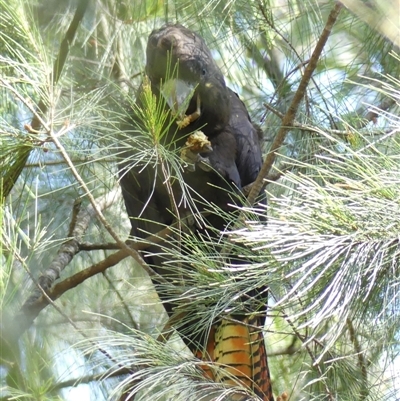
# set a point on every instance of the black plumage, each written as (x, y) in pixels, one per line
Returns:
(236, 156)
(180, 59)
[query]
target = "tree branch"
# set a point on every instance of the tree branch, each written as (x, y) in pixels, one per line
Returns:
(79, 224)
(23, 154)
(361, 360)
(40, 299)
(289, 117)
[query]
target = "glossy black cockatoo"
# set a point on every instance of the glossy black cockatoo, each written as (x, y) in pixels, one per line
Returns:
(208, 126)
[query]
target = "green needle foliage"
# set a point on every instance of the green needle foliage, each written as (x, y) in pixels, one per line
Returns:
(328, 251)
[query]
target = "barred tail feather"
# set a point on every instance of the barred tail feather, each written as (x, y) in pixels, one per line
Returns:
(238, 348)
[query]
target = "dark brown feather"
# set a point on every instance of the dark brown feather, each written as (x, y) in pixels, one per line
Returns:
(235, 158)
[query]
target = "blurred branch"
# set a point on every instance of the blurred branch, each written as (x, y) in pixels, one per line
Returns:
(40, 299)
(381, 16)
(291, 349)
(43, 294)
(110, 246)
(74, 218)
(303, 127)
(83, 333)
(75, 161)
(91, 378)
(117, 292)
(102, 266)
(31, 310)
(370, 116)
(268, 180)
(296, 124)
(284, 83)
(386, 104)
(361, 361)
(269, 65)
(79, 223)
(315, 364)
(288, 119)
(22, 156)
(62, 56)
(133, 253)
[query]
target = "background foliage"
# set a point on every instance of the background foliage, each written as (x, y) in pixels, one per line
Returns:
(330, 248)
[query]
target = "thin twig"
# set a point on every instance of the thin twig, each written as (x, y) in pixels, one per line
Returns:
(78, 278)
(370, 117)
(79, 223)
(30, 310)
(23, 154)
(311, 354)
(108, 246)
(62, 57)
(361, 360)
(90, 378)
(305, 127)
(302, 64)
(288, 119)
(122, 301)
(135, 255)
(49, 300)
